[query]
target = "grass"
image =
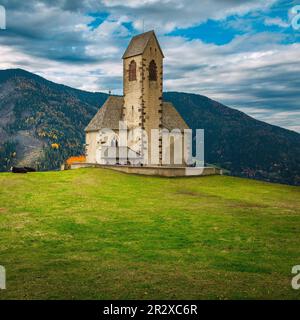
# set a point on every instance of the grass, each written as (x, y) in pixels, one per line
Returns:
(100, 234)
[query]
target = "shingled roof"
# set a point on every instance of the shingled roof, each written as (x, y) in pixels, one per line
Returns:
(139, 43)
(110, 114)
(171, 119)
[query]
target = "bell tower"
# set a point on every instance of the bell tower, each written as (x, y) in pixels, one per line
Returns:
(143, 89)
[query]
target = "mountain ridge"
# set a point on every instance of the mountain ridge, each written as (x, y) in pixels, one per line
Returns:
(38, 113)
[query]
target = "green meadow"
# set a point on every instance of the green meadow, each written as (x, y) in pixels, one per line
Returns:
(100, 234)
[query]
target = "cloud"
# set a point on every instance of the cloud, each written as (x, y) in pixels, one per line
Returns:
(276, 22)
(167, 16)
(66, 42)
(86, 76)
(285, 119)
(163, 15)
(251, 72)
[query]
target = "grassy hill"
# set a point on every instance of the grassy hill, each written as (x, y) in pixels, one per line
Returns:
(99, 234)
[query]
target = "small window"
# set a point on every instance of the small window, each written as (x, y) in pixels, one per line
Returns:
(152, 71)
(132, 71)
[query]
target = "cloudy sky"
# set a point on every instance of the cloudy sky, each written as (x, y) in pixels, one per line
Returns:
(245, 54)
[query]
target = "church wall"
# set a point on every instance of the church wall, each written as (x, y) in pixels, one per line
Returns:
(91, 146)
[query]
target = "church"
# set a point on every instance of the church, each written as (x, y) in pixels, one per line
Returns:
(141, 109)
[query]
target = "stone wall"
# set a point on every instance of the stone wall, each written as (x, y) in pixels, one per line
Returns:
(155, 171)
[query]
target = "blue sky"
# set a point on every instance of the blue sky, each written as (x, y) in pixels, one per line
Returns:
(244, 54)
(275, 19)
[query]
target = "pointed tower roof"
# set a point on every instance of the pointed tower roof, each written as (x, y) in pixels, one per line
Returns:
(139, 43)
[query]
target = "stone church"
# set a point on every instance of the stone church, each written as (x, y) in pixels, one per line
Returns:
(141, 107)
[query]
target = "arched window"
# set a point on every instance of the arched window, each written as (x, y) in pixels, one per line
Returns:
(132, 71)
(152, 71)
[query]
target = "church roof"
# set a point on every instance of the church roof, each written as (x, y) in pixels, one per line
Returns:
(110, 114)
(171, 119)
(139, 43)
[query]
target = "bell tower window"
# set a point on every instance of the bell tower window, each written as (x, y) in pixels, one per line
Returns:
(152, 71)
(132, 71)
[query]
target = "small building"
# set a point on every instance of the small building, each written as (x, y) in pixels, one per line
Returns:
(141, 108)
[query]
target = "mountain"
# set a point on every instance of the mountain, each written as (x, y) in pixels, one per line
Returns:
(235, 141)
(42, 123)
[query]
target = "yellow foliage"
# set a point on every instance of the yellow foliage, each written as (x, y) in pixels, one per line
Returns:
(55, 146)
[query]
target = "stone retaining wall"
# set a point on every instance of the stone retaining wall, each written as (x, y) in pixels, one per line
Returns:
(154, 171)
